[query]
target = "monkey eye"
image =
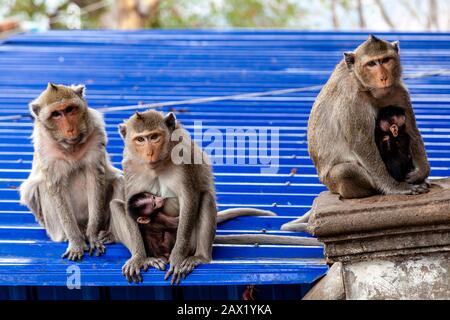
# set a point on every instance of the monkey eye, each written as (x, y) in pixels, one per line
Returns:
(55, 114)
(70, 109)
(140, 139)
(386, 60)
(154, 137)
(371, 63)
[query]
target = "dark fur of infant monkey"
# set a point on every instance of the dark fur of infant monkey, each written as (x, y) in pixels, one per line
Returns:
(157, 229)
(393, 142)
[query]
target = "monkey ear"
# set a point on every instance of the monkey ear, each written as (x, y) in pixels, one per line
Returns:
(34, 109)
(139, 116)
(373, 38)
(123, 130)
(170, 121)
(51, 86)
(349, 58)
(143, 220)
(80, 90)
(396, 45)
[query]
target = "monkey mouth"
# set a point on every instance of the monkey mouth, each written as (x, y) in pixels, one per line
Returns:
(153, 164)
(73, 141)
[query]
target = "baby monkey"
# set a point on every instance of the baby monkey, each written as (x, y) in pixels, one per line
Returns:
(394, 142)
(157, 229)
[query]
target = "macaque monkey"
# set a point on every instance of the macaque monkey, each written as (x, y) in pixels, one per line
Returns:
(341, 142)
(72, 181)
(157, 229)
(393, 142)
(161, 159)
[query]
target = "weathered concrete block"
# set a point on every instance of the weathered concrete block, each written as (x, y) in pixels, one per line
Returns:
(382, 226)
(419, 277)
(386, 247)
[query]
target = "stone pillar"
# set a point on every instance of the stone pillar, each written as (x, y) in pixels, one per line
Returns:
(384, 247)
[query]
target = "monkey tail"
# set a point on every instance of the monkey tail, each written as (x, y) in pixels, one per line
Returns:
(229, 214)
(299, 225)
(266, 239)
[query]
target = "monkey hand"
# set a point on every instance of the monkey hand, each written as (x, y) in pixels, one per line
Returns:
(411, 189)
(106, 237)
(415, 177)
(157, 263)
(190, 263)
(75, 250)
(176, 259)
(132, 269)
(95, 245)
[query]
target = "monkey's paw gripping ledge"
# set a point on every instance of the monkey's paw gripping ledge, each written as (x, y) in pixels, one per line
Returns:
(129, 68)
(385, 247)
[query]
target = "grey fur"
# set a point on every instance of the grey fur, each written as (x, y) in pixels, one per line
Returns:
(70, 197)
(341, 129)
(341, 126)
(189, 193)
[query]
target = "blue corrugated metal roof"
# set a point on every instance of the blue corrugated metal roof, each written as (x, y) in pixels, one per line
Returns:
(128, 68)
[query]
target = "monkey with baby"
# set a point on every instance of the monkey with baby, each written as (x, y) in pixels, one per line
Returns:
(362, 133)
(79, 197)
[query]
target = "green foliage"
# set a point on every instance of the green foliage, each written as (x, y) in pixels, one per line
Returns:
(56, 11)
(229, 13)
(175, 13)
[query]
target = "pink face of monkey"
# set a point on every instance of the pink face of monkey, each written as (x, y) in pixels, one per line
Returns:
(144, 205)
(393, 124)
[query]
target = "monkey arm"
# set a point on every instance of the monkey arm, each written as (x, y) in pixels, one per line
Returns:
(77, 244)
(364, 148)
(189, 216)
(29, 196)
(127, 232)
(418, 152)
(189, 203)
(95, 186)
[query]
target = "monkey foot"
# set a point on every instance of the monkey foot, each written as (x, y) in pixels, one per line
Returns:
(181, 271)
(132, 269)
(96, 245)
(74, 252)
(157, 263)
(106, 237)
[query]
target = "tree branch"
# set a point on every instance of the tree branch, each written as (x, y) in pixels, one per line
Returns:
(384, 14)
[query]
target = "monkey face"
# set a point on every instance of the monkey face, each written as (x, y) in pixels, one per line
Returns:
(148, 145)
(143, 205)
(65, 118)
(63, 112)
(376, 64)
(378, 72)
(147, 137)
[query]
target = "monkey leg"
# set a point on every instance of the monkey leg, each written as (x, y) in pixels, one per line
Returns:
(29, 196)
(205, 232)
(106, 237)
(125, 230)
(350, 181)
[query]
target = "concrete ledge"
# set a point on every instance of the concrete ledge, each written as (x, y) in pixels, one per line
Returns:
(422, 277)
(383, 226)
(384, 247)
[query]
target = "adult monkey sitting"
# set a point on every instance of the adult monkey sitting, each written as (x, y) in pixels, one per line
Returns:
(341, 127)
(72, 181)
(160, 158)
